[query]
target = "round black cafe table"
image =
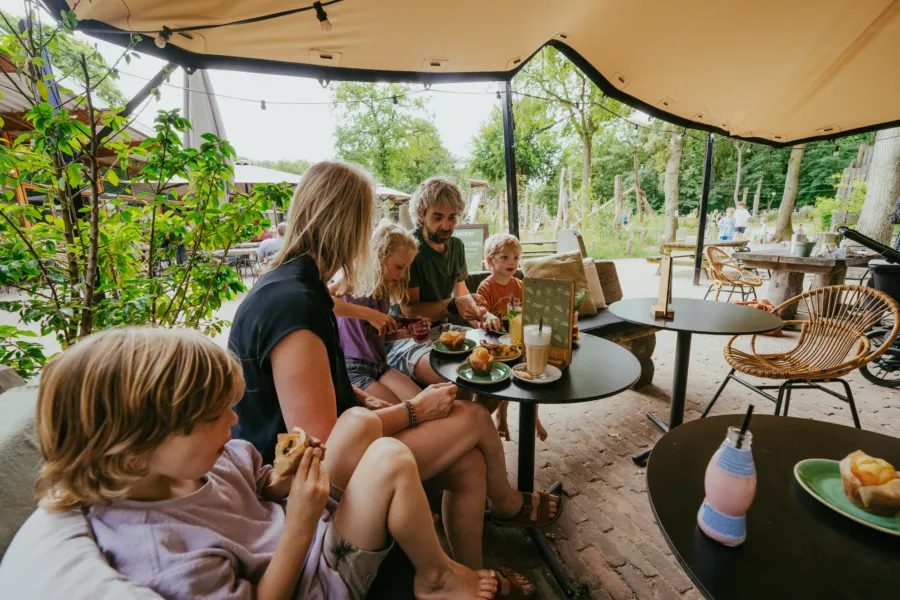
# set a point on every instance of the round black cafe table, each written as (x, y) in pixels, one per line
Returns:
(599, 369)
(691, 316)
(796, 547)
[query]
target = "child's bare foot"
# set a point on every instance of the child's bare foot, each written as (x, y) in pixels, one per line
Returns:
(455, 582)
(541, 432)
(503, 427)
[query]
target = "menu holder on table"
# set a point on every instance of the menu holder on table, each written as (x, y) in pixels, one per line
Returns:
(552, 300)
(662, 308)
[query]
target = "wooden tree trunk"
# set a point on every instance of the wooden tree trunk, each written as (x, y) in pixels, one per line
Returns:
(526, 209)
(883, 187)
(587, 142)
(670, 183)
(617, 198)
(639, 205)
(561, 203)
(744, 199)
(756, 198)
(740, 146)
(784, 229)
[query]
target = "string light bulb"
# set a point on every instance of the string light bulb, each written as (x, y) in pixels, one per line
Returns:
(635, 127)
(395, 100)
(837, 151)
(262, 104)
(498, 94)
(321, 15)
(163, 38)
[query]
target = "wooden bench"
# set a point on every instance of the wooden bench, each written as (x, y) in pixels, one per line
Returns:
(681, 260)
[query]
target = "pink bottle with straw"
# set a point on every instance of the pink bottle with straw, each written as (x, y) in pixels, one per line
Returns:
(730, 488)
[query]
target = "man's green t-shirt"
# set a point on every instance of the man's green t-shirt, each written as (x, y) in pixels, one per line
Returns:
(437, 273)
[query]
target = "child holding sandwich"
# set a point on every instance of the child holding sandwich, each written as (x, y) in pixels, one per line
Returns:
(134, 427)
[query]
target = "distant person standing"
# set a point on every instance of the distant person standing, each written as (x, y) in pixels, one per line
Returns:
(271, 246)
(726, 226)
(741, 220)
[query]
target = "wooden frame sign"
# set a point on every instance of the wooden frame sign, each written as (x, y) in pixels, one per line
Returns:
(552, 300)
(662, 309)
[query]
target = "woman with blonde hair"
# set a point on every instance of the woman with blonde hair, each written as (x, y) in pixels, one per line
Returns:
(285, 335)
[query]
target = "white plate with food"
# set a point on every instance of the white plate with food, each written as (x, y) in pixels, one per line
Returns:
(551, 374)
(502, 352)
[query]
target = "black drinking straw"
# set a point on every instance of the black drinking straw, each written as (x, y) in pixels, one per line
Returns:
(744, 427)
(541, 324)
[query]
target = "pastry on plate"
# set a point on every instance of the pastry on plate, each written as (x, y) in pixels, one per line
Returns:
(481, 361)
(453, 339)
(871, 483)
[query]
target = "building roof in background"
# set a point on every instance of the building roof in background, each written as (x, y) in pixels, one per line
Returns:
(13, 106)
(771, 71)
(384, 192)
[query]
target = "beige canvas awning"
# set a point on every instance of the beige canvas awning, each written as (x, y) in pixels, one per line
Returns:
(775, 71)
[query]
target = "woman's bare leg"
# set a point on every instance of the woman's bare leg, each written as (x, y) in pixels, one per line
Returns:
(399, 384)
(464, 485)
(438, 444)
(385, 498)
(353, 433)
(539, 430)
(382, 392)
(502, 422)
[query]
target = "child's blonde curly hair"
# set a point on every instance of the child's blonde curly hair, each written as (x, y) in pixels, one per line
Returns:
(388, 239)
(117, 395)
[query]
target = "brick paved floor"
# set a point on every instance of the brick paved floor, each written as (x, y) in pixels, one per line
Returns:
(607, 539)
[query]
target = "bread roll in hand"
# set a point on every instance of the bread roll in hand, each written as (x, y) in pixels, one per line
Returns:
(289, 450)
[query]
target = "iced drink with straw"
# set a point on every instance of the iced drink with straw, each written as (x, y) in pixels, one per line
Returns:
(537, 349)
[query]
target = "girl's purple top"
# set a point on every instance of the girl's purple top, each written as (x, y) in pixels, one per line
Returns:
(352, 332)
(213, 544)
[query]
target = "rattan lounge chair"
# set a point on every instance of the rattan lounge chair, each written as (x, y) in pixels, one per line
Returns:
(726, 273)
(832, 343)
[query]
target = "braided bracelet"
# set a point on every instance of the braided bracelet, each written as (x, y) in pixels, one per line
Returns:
(412, 413)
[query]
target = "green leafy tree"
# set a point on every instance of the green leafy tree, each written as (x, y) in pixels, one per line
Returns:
(297, 167)
(65, 52)
(575, 98)
(387, 129)
(537, 145)
(105, 260)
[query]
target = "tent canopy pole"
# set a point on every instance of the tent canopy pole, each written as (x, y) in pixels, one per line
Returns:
(509, 151)
(704, 208)
(142, 95)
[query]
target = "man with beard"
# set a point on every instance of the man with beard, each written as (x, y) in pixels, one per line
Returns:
(437, 277)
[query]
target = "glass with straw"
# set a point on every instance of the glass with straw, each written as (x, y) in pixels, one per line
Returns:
(537, 348)
(730, 487)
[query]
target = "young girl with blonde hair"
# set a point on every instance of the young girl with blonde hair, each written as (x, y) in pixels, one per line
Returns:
(134, 426)
(364, 348)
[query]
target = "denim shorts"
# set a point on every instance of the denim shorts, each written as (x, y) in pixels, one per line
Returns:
(405, 354)
(364, 373)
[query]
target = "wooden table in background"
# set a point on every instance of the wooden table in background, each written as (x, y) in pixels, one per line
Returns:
(788, 272)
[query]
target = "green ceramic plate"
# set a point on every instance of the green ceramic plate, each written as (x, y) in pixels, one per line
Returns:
(467, 347)
(499, 373)
(822, 479)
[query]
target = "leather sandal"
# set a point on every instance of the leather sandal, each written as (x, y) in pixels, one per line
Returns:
(523, 518)
(511, 585)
